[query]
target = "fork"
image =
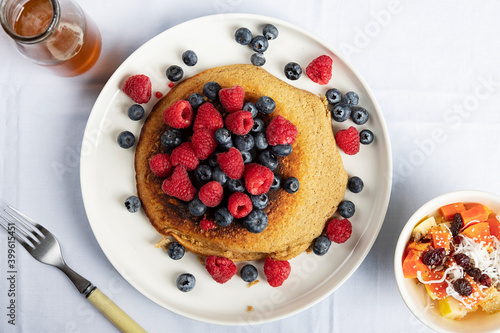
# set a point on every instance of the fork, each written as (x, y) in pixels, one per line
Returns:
(44, 247)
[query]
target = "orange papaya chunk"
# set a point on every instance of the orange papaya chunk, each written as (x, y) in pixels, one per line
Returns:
(436, 290)
(417, 246)
(479, 232)
(469, 205)
(449, 211)
(494, 224)
(475, 213)
(441, 237)
(412, 263)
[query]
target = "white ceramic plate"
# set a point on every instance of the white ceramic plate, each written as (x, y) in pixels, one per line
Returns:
(415, 295)
(107, 177)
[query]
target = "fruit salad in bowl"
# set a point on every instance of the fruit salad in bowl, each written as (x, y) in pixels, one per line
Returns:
(447, 262)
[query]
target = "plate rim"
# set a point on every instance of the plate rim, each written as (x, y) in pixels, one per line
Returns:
(383, 130)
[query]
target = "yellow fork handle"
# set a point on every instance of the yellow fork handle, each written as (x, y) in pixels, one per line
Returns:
(116, 315)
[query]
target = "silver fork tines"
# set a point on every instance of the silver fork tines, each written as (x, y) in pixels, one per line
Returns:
(41, 244)
(44, 247)
(25, 234)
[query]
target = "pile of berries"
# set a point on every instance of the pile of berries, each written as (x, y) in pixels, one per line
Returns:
(221, 162)
(258, 43)
(339, 230)
(342, 108)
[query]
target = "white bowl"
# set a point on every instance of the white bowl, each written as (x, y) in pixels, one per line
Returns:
(414, 294)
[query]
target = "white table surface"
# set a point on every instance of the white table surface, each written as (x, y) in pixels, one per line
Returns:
(434, 68)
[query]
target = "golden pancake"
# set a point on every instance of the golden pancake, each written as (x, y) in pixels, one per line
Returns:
(295, 220)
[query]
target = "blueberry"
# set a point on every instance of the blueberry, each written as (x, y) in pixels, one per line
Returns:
(258, 59)
(223, 217)
(175, 250)
(243, 36)
(133, 204)
(359, 115)
(270, 31)
(247, 157)
(282, 150)
(223, 138)
(203, 173)
(346, 209)
(366, 136)
(266, 105)
(341, 112)
(249, 106)
(258, 125)
(235, 185)
(196, 207)
(211, 90)
(196, 100)
(126, 139)
(260, 141)
(186, 282)
(259, 43)
(351, 98)
(355, 184)
(291, 185)
(268, 159)
(136, 112)
(256, 221)
(293, 71)
(212, 160)
(190, 58)
(171, 138)
(321, 245)
(249, 273)
(244, 142)
(276, 184)
(174, 73)
(333, 96)
(260, 201)
(219, 176)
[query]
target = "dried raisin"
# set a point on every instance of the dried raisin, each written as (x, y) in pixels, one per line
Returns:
(463, 260)
(463, 287)
(434, 257)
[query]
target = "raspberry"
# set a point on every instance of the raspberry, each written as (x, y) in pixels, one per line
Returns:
(138, 87)
(281, 131)
(207, 117)
(339, 231)
(239, 122)
(178, 185)
(232, 98)
(231, 163)
(276, 271)
(211, 194)
(221, 269)
(179, 115)
(258, 178)
(239, 205)
(348, 140)
(207, 224)
(320, 69)
(184, 155)
(203, 143)
(160, 165)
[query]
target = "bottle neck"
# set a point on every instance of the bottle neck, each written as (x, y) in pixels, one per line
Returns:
(9, 11)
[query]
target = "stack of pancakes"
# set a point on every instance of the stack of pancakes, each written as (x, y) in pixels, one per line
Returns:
(295, 220)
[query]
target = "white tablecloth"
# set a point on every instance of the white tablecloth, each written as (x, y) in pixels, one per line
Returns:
(433, 66)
